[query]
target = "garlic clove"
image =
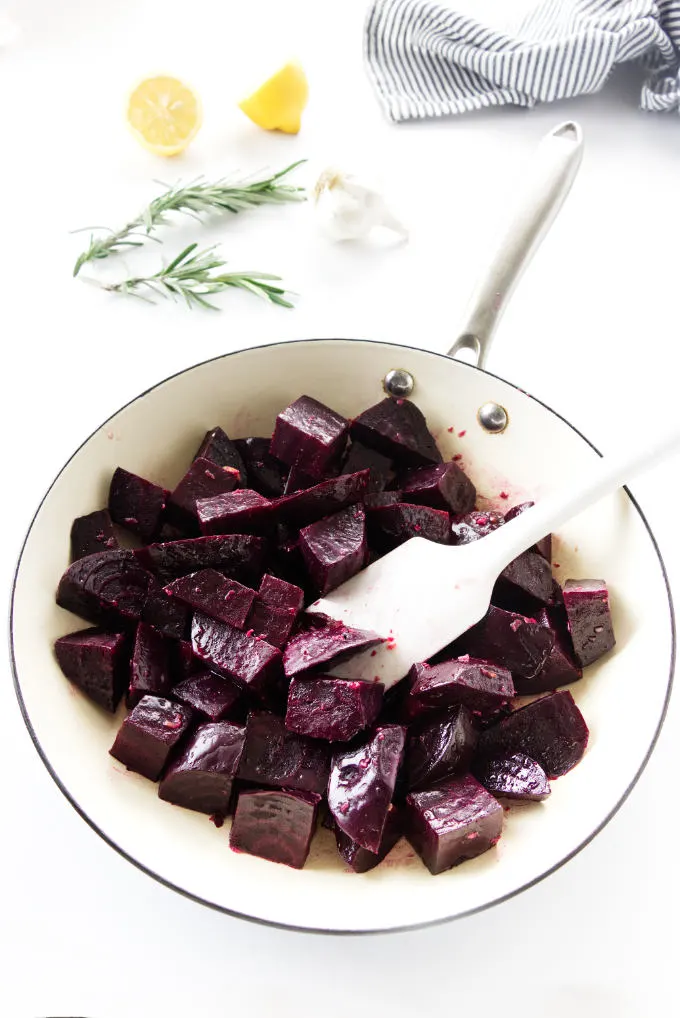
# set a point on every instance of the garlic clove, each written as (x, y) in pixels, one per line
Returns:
(349, 209)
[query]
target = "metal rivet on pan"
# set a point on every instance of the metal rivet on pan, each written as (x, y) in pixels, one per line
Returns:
(493, 417)
(398, 383)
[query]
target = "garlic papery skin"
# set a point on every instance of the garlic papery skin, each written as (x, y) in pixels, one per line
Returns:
(349, 209)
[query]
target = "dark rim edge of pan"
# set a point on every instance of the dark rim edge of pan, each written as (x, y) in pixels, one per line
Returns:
(320, 930)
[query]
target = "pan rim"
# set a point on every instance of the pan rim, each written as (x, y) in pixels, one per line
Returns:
(329, 931)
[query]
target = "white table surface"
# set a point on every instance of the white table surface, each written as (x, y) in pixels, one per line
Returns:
(592, 330)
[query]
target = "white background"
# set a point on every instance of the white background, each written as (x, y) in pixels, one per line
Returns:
(592, 330)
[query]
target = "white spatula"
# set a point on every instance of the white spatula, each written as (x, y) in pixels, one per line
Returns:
(423, 595)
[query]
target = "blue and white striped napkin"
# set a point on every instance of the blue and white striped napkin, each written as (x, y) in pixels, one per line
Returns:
(428, 60)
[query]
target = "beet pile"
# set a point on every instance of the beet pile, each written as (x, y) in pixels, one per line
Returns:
(200, 628)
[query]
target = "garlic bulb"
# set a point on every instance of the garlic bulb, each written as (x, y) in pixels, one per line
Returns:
(348, 209)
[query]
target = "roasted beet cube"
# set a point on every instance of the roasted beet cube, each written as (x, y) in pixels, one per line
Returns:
(148, 734)
(275, 825)
(135, 503)
(444, 486)
(360, 859)
(238, 555)
(105, 588)
(455, 820)
(474, 525)
(265, 473)
(335, 548)
(166, 614)
(377, 499)
(398, 429)
(202, 480)
(252, 663)
(236, 512)
(590, 621)
(544, 546)
(213, 594)
(324, 707)
(150, 666)
(439, 747)
(211, 696)
(272, 624)
(560, 668)
(201, 777)
(275, 756)
(96, 662)
(277, 593)
(322, 640)
(92, 533)
(297, 479)
(219, 449)
(513, 641)
(391, 525)
(361, 785)
(513, 777)
(525, 584)
(482, 687)
(550, 730)
(309, 435)
(322, 500)
(360, 457)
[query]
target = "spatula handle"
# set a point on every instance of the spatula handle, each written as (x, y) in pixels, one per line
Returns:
(545, 186)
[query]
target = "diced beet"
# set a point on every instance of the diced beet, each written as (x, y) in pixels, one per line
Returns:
(275, 756)
(252, 663)
(273, 624)
(335, 549)
(590, 621)
(211, 696)
(360, 457)
(148, 734)
(135, 503)
(544, 546)
(482, 687)
(515, 777)
(323, 499)
(297, 479)
(474, 525)
(236, 512)
(277, 593)
(219, 449)
(560, 668)
(183, 663)
(360, 859)
(238, 555)
(150, 666)
(361, 785)
(398, 429)
(309, 435)
(550, 730)
(202, 480)
(201, 777)
(455, 820)
(105, 588)
(324, 707)
(439, 747)
(444, 486)
(96, 662)
(377, 499)
(391, 525)
(524, 585)
(517, 643)
(265, 473)
(169, 616)
(92, 533)
(278, 826)
(322, 640)
(213, 594)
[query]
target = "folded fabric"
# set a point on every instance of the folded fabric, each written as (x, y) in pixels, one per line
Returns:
(428, 60)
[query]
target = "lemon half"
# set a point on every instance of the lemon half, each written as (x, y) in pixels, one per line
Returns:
(164, 115)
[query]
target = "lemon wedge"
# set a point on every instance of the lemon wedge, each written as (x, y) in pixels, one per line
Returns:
(164, 115)
(278, 104)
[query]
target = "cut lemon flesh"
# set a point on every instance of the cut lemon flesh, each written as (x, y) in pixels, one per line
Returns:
(164, 114)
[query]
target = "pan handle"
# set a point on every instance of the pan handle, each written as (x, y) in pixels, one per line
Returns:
(551, 174)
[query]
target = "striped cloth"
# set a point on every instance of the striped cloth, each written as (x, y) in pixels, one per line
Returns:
(427, 59)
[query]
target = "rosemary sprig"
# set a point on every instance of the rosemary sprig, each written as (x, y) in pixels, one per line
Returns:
(193, 277)
(196, 199)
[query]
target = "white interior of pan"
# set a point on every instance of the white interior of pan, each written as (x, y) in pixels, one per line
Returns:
(622, 697)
